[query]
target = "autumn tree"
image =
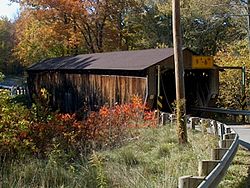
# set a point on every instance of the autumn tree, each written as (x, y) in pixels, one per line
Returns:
(37, 40)
(89, 18)
(68, 27)
(6, 43)
(108, 25)
(232, 55)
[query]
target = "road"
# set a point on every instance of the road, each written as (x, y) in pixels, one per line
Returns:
(244, 133)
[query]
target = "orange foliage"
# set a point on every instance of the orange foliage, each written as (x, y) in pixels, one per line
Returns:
(107, 127)
(55, 28)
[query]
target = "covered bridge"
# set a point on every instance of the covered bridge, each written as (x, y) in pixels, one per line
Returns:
(114, 77)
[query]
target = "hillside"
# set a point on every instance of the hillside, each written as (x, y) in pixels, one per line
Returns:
(151, 158)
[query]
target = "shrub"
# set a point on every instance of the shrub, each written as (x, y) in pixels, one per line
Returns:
(37, 131)
(14, 127)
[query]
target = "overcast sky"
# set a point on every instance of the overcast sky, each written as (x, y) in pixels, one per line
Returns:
(8, 9)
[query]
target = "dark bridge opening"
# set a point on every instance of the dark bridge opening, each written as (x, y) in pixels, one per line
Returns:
(198, 88)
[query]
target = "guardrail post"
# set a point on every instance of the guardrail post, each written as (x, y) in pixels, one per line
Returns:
(190, 181)
(165, 118)
(172, 119)
(218, 153)
(189, 122)
(205, 166)
(222, 130)
(228, 130)
(229, 136)
(193, 122)
(203, 125)
(215, 125)
(211, 171)
(225, 143)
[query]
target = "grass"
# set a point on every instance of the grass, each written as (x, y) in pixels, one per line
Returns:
(238, 174)
(152, 158)
(155, 159)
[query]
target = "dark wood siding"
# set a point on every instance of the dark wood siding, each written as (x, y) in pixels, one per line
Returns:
(69, 92)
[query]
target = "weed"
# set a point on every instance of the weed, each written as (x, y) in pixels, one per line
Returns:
(164, 151)
(96, 162)
(129, 158)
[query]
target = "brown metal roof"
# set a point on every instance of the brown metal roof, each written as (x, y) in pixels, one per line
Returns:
(122, 60)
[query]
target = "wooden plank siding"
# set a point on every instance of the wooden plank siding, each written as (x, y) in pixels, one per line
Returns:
(114, 77)
(70, 91)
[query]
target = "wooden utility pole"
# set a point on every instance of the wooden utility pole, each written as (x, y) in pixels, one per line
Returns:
(179, 74)
(248, 25)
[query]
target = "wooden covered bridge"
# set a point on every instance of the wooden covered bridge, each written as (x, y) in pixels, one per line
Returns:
(114, 77)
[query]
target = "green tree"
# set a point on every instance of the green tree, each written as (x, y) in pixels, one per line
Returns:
(209, 25)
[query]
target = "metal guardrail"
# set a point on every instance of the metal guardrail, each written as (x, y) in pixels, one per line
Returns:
(15, 90)
(222, 110)
(212, 171)
(19, 91)
(216, 175)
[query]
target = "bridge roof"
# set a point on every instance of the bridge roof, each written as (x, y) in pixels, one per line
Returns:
(121, 60)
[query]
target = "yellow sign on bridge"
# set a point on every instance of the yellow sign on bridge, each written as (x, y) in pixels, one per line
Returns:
(202, 62)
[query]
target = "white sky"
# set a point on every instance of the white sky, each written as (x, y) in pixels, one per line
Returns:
(8, 9)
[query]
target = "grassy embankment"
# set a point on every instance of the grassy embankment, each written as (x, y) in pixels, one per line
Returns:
(238, 174)
(152, 158)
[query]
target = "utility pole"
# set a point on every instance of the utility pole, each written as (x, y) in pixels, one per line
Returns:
(243, 90)
(248, 24)
(179, 74)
